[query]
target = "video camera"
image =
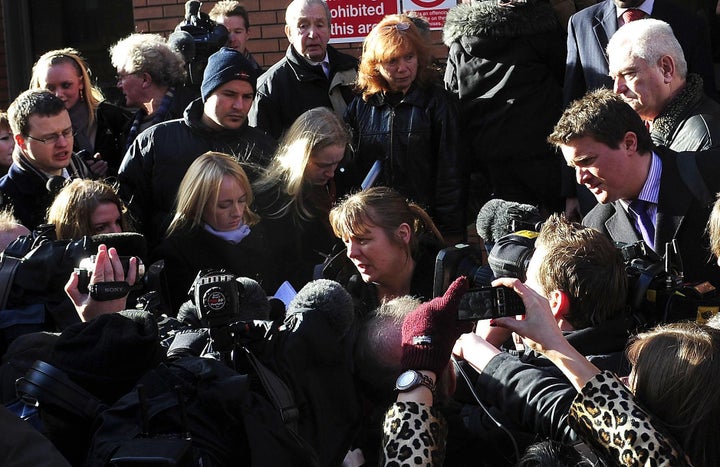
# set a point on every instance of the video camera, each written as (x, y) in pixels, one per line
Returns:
(196, 38)
(656, 287)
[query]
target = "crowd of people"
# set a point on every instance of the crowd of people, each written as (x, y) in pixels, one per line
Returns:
(347, 179)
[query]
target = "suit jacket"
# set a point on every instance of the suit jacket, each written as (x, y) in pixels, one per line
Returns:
(590, 29)
(680, 216)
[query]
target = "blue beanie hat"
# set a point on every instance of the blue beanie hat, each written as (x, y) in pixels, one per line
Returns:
(226, 65)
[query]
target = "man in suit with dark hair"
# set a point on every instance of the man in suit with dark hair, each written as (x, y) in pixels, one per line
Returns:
(589, 31)
(645, 193)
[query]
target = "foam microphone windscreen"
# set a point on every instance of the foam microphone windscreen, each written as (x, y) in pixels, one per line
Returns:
(126, 243)
(254, 304)
(183, 43)
(328, 298)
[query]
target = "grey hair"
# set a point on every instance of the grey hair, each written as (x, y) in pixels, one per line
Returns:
(149, 53)
(292, 13)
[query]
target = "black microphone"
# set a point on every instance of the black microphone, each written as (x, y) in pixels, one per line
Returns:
(254, 303)
(498, 218)
(126, 243)
(183, 43)
(55, 184)
(326, 300)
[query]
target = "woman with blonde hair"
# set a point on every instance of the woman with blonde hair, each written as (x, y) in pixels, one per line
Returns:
(100, 127)
(408, 123)
(87, 207)
(295, 195)
(213, 227)
(391, 242)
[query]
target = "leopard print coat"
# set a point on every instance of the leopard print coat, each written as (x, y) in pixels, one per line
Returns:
(609, 419)
(413, 434)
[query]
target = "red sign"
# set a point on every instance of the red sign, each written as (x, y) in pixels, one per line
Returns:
(352, 20)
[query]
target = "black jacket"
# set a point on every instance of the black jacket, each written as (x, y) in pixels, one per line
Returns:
(157, 161)
(506, 66)
(418, 141)
(690, 121)
(292, 86)
(24, 188)
(113, 124)
(187, 252)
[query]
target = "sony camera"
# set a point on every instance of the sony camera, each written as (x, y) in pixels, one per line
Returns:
(87, 266)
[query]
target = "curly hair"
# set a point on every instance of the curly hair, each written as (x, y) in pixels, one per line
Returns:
(149, 53)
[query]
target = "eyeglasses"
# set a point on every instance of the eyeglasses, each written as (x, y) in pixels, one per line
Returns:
(122, 76)
(401, 26)
(55, 137)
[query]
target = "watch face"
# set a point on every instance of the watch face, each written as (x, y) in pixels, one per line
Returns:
(406, 379)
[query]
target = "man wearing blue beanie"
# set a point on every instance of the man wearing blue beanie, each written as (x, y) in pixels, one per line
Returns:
(156, 162)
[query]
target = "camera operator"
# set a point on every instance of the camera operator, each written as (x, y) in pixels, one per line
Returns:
(108, 268)
(233, 15)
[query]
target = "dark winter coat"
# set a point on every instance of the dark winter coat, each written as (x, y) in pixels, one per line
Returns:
(24, 188)
(113, 124)
(292, 86)
(690, 121)
(506, 65)
(418, 141)
(156, 163)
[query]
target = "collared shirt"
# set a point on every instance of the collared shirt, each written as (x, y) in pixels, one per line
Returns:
(325, 64)
(650, 192)
(646, 6)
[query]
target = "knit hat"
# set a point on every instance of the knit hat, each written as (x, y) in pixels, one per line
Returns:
(226, 65)
(430, 331)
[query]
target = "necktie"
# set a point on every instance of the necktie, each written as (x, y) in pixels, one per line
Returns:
(644, 222)
(632, 14)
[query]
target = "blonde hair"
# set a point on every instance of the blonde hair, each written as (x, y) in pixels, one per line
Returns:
(394, 36)
(71, 212)
(92, 95)
(312, 131)
(201, 184)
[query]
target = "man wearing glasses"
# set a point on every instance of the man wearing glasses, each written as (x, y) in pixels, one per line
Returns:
(43, 157)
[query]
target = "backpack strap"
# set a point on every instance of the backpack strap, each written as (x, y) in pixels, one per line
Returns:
(690, 174)
(277, 390)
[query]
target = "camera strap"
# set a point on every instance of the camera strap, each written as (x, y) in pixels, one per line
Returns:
(277, 390)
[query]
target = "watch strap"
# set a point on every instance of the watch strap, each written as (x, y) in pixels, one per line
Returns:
(420, 380)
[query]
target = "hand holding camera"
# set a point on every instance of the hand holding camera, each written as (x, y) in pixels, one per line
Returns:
(108, 285)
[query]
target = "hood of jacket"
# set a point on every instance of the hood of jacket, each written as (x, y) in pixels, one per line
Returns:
(496, 19)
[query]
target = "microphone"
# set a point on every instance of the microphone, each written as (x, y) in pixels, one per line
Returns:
(254, 303)
(498, 218)
(55, 184)
(126, 243)
(325, 300)
(183, 43)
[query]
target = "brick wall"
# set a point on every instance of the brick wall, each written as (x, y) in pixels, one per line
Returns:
(4, 92)
(267, 41)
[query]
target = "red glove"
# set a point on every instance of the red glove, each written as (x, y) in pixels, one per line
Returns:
(430, 331)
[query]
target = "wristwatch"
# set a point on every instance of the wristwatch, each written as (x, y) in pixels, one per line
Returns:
(411, 379)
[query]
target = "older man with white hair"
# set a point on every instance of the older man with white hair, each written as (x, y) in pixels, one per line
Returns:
(649, 71)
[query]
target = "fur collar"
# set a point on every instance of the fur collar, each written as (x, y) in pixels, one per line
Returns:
(491, 19)
(676, 110)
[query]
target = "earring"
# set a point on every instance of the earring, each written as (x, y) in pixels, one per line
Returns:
(82, 94)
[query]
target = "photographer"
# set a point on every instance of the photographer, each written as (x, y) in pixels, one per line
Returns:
(108, 268)
(581, 275)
